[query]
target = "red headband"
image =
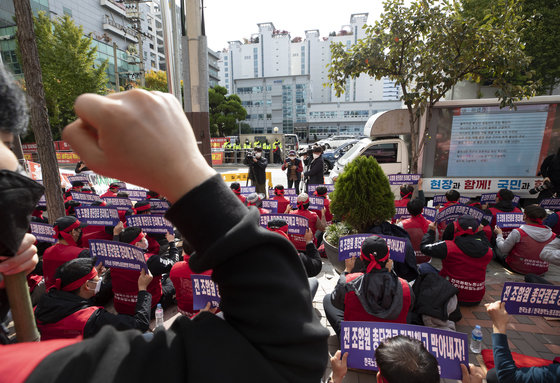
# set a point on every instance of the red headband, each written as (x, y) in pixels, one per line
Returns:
(373, 263)
(237, 191)
(279, 191)
(64, 233)
(458, 230)
(301, 203)
(76, 284)
(138, 239)
(142, 208)
(319, 195)
(281, 230)
(406, 195)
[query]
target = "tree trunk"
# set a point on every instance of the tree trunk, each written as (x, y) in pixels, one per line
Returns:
(413, 140)
(39, 116)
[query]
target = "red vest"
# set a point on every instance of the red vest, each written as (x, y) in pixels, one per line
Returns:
(354, 311)
(466, 273)
(94, 232)
(241, 197)
(153, 245)
(181, 277)
(402, 202)
(524, 257)
(416, 227)
(108, 193)
(442, 225)
(125, 288)
(283, 203)
(70, 327)
(56, 256)
(298, 240)
(505, 230)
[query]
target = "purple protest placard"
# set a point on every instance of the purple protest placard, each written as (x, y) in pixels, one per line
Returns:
(85, 198)
(350, 246)
(361, 339)
(270, 204)
(248, 189)
(311, 188)
(150, 223)
(531, 299)
(515, 200)
(158, 206)
(316, 203)
(464, 200)
(487, 198)
(439, 199)
(430, 213)
(79, 177)
(287, 192)
(135, 194)
(451, 213)
(401, 212)
(117, 254)
(118, 202)
(121, 184)
(296, 223)
(204, 291)
(98, 215)
(551, 203)
(293, 200)
(404, 179)
(43, 232)
(42, 201)
(509, 220)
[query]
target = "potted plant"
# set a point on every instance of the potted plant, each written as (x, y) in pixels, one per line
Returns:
(361, 200)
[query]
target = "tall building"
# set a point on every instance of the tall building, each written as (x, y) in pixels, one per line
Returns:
(283, 82)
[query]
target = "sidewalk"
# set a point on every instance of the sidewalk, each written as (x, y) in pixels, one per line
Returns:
(529, 335)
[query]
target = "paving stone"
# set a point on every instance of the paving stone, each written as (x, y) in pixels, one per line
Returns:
(481, 315)
(524, 319)
(534, 342)
(525, 347)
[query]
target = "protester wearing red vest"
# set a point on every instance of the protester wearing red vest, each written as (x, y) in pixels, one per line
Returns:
(180, 275)
(377, 295)
(68, 230)
(464, 259)
(112, 191)
(77, 186)
(503, 204)
(66, 310)
(303, 210)
(283, 202)
(253, 199)
(416, 226)
(124, 284)
(236, 188)
(523, 248)
(321, 191)
(406, 195)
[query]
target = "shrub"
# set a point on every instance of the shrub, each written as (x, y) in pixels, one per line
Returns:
(362, 196)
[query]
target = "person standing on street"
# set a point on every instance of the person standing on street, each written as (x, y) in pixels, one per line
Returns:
(314, 172)
(257, 170)
(295, 167)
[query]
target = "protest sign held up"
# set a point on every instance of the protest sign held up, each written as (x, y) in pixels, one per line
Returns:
(204, 291)
(118, 255)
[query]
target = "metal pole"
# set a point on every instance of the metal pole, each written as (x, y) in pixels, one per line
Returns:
(176, 48)
(117, 83)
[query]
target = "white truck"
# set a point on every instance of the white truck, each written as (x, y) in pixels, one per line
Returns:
(472, 146)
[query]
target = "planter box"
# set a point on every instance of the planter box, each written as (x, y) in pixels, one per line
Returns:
(332, 256)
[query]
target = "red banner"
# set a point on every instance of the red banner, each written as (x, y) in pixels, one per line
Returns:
(217, 158)
(58, 146)
(218, 143)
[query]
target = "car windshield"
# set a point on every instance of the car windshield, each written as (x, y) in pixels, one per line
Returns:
(359, 146)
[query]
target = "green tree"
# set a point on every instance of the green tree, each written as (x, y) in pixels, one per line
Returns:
(68, 65)
(362, 197)
(156, 80)
(540, 36)
(225, 112)
(428, 47)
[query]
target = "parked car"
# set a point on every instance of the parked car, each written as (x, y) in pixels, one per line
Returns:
(331, 155)
(334, 142)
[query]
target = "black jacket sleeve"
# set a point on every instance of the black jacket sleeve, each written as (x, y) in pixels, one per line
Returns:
(269, 323)
(316, 168)
(140, 320)
(158, 264)
(431, 249)
(84, 254)
(545, 172)
(311, 260)
(339, 292)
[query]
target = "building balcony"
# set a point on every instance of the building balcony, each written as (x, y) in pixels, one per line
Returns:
(119, 29)
(115, 7)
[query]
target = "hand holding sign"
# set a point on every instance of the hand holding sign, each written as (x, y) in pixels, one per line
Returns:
(144, 280)
(25, 259)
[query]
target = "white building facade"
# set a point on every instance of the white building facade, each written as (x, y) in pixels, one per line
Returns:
(281, 82)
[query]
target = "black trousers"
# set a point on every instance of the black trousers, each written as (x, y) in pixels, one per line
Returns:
(334, 315)
(295, 184)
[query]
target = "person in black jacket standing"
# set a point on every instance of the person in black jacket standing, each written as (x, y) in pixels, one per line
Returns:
(257, 170)
(314, 173)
